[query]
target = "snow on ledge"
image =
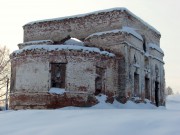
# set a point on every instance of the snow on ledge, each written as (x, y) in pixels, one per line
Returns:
(136, 65)
(126, 29)
(156, 47)
(63, 47)
(57, 91)
(132, 31)
(122, 9)
(38, 42)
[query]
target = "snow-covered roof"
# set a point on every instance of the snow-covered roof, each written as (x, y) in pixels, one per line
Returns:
(37, 42)
(122, 9)
(156, 47)
(129, 30)
(63, 47)
(71, 41)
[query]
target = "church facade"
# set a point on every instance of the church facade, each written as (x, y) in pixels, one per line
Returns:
(68, 61)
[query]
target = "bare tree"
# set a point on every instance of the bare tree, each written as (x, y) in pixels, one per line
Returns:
(4, 68)
(169, 91)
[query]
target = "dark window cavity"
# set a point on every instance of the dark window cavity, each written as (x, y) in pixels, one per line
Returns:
(144, 44)
(99, 81)
(58, 74)
(136, 84)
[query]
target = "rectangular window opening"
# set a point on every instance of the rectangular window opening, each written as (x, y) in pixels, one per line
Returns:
(58, 74)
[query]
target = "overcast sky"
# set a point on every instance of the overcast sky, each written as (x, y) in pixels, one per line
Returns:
(164, 15)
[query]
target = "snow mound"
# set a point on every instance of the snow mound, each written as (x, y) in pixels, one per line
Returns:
(74, 41)
(57, 91)
(117, 105)
(93, 121)
(125, 29)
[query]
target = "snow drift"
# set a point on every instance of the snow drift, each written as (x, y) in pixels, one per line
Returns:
(94, 121)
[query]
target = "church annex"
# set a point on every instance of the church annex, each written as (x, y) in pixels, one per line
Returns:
(68, 61)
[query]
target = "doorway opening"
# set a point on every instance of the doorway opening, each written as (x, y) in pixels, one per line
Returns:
(157, 93)
(147, 92)
(136, 84)
(99, 81)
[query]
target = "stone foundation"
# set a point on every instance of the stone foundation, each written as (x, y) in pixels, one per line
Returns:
(50, 101)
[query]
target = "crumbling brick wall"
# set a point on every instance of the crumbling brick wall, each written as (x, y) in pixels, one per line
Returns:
(33, 78)
(134, 68)
(82, 26)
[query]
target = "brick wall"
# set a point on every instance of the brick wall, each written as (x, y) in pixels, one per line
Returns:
(32, 78)
(81, 27)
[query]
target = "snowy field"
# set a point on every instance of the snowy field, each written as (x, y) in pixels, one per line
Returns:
(131, 120)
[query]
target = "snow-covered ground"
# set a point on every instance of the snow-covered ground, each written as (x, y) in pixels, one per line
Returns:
(141, 120)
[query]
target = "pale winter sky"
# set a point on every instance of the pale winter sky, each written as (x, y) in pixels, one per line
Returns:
(164, 15)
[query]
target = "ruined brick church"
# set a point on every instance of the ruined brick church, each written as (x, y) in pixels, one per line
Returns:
(68, 61)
